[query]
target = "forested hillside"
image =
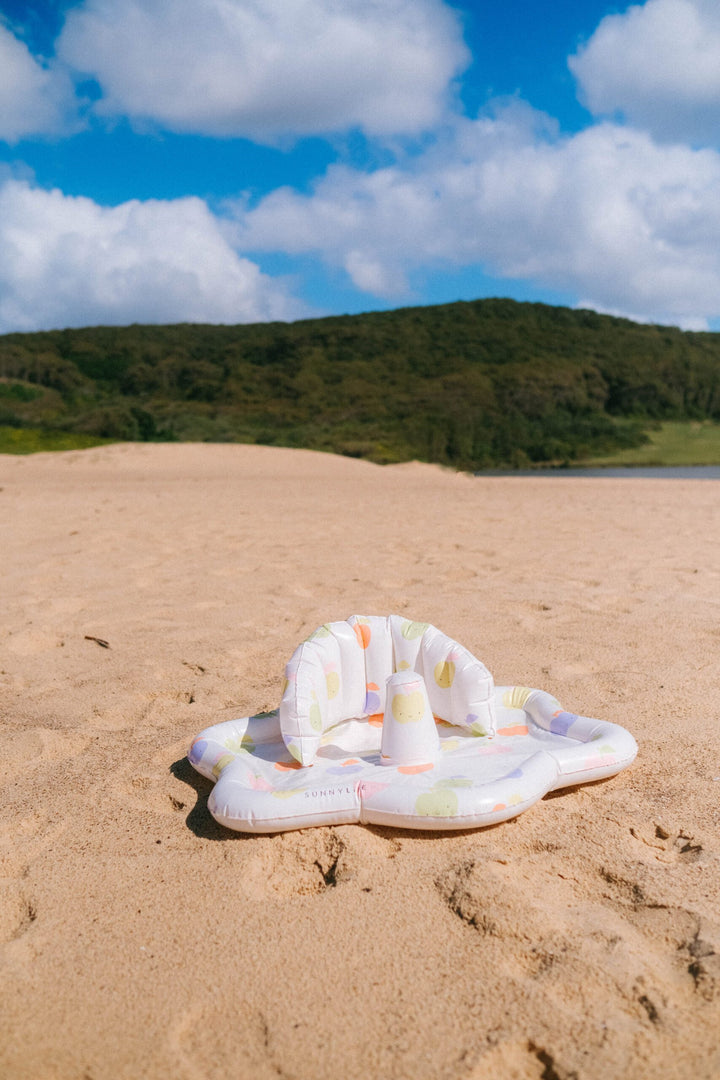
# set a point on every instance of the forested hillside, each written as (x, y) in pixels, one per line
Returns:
(492, 382)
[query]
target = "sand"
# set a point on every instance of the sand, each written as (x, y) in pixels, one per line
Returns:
(140, 939)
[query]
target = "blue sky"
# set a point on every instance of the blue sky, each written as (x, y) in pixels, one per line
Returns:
(243, 160)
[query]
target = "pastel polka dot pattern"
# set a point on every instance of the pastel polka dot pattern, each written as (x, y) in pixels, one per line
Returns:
(377, 652)
(261, 786)
(403, 727)
(342, 669)
(324, 682)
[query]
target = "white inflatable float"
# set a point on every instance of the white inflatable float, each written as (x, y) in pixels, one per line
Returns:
(390, 722)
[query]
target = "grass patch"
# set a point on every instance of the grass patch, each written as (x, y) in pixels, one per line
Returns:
(33, 441)
(676, 442)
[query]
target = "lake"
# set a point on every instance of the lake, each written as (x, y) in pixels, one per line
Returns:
(641, 472)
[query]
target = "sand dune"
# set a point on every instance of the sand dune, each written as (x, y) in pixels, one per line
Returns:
(139, 939)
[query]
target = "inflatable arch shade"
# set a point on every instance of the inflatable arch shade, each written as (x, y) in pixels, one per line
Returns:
(390, 722)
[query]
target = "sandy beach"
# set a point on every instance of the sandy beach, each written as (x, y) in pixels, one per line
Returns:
(139, 939)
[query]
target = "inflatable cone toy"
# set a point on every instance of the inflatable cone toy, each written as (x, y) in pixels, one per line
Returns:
(410, 735)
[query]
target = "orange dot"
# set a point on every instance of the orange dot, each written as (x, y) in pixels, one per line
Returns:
(351, 761)
(285, 766)
(500, 806)
(362, 633)
(409, 770)
(376, 719)
(372, 686)
(514, 729)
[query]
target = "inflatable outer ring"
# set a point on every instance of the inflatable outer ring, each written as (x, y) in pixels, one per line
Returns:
(559, 754)
(547, 713)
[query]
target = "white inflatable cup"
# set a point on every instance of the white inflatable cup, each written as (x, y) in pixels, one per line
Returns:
(409, 735)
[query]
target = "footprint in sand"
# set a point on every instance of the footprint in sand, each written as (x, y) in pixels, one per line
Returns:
(301, 864)
(668, 845)
(32, 746)
(199, 1053)
(153, 792)
(18, 911)
(513, 1059)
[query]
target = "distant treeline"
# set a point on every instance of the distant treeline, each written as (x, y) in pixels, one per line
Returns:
(492, 382)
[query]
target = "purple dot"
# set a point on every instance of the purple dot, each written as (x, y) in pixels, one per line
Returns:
(559, 724)
(372, 703)
(197, 750)
(514, 775)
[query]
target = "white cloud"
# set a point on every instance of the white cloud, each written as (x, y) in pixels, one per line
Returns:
(657, 65)
(609, 215)
(69, 262)
(34, 99)
(623, 217)
(272, 68)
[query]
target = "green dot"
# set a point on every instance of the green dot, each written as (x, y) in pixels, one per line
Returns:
(315, 717)
(220, 765)
(439, 803)
(294, 749)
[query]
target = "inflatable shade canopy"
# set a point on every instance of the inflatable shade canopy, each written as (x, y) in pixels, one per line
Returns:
(388, 721)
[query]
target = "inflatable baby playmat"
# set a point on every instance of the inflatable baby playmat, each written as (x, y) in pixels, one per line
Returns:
(390, 722)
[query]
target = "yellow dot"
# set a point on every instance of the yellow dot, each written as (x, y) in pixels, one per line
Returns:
(408, 708)
(516, 697)
(444, 673)
(333, 683)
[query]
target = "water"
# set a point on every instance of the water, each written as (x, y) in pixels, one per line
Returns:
(660, 472)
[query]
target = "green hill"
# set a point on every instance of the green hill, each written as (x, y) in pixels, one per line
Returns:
(491, 382)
